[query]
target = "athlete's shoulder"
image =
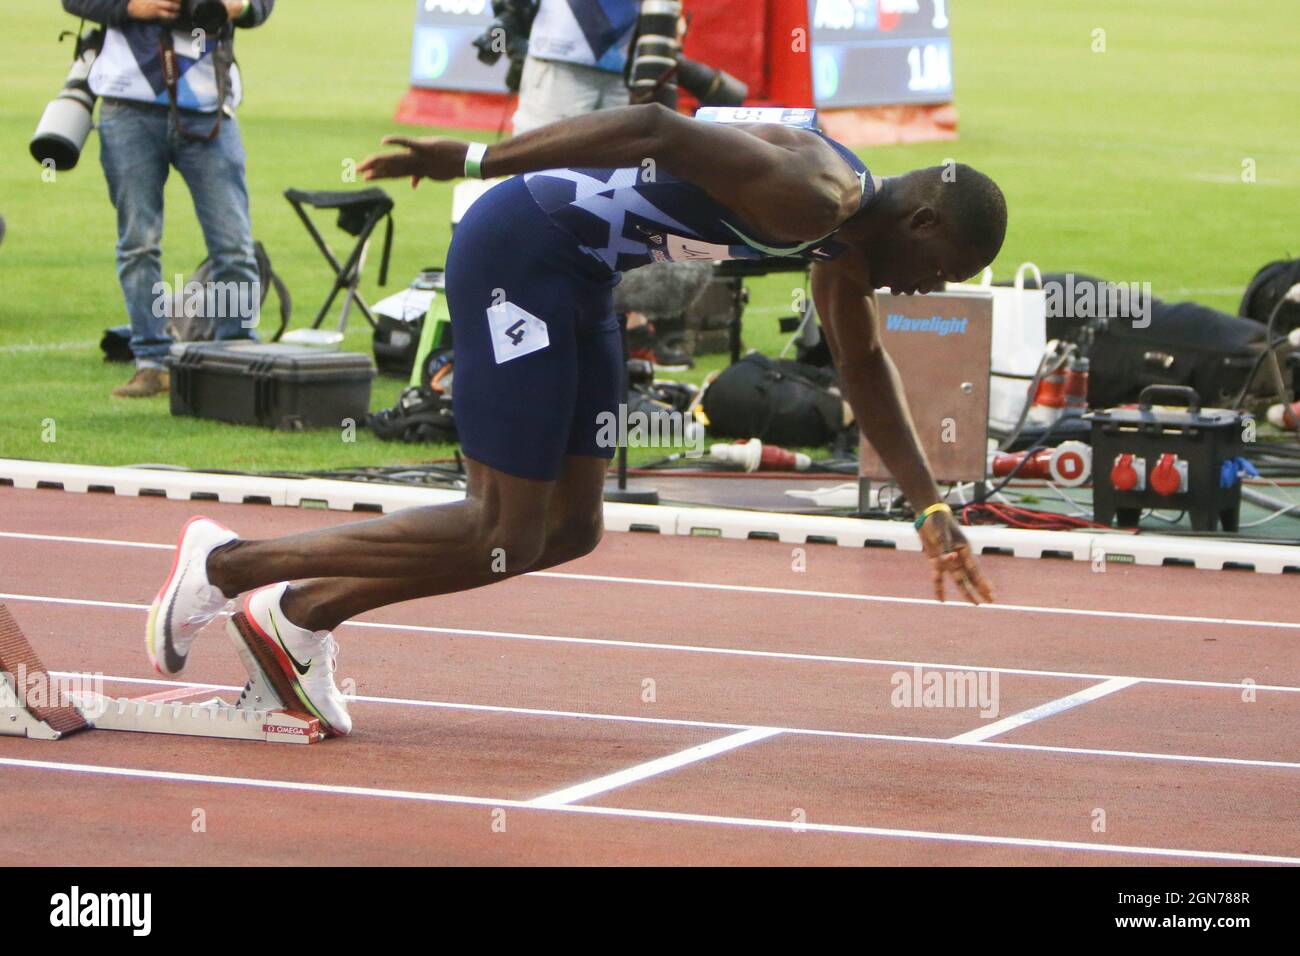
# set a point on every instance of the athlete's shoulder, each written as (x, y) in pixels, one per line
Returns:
(866, 182)
(793, 128)
(787, 128)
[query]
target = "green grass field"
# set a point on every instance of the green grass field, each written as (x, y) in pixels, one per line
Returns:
(1125, 163)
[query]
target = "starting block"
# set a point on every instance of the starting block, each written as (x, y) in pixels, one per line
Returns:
(259, 713)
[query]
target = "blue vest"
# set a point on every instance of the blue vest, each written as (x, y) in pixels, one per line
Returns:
(130, 67)
(588, 32)
(625, 220)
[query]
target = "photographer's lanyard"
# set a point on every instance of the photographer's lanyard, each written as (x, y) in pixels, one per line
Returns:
(172, 73)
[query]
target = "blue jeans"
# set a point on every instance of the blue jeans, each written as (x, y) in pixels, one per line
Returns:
(138, 146)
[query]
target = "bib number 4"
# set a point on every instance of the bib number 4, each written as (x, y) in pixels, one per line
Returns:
(515, 332)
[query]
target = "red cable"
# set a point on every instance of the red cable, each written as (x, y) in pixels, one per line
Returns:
(1024, 518)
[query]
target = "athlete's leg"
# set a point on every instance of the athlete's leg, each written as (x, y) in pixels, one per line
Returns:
(522, 313)
(572, 527)
(576, 518)
(453, 544)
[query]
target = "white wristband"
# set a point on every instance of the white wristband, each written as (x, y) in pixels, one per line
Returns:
(473, 158)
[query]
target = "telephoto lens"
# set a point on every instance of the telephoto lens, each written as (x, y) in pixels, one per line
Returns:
(655, 55)
(66, 122)
(711, 86)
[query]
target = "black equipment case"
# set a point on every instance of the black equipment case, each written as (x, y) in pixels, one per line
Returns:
(289, 387)
(1184, 344)
(1204, 443)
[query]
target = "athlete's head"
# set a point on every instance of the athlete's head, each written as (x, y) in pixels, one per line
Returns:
(943, 223)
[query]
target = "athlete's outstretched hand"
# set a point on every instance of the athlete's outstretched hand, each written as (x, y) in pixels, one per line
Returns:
(430, 158)
(950, 554)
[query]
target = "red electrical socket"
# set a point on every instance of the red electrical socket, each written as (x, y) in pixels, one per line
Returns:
(1128, 473)
(1169, 476)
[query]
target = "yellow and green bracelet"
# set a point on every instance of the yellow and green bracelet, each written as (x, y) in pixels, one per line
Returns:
(933, 509)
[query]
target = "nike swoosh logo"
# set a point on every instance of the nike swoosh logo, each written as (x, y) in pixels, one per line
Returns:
(791, 250)
(302, 669)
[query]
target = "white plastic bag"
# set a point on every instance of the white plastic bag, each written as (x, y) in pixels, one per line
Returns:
(1019, 340)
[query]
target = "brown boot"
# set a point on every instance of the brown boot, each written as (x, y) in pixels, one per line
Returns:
(145, 383)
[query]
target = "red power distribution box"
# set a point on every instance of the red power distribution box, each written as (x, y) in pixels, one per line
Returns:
(1167, 458)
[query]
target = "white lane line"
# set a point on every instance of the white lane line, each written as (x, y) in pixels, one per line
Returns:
(797, 656)
(77, 602)
(805, 593)
(1061, 704)
(68, 539)
(653, 768)
(709, 649)
(658, 815)
(920, 602)
(719, 725)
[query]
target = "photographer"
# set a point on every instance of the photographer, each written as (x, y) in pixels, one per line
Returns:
(169, 88)
(578, 62)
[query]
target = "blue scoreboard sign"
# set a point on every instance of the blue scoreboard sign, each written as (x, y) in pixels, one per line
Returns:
(864, 52)
(443, 55)
(877, 52)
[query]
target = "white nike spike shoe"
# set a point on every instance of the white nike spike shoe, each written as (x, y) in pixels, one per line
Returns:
(188, 600)
(307, 660)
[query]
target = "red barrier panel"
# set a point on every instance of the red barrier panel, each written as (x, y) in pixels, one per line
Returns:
(789, 71)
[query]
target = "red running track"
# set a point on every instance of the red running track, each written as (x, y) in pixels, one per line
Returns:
(553, 718)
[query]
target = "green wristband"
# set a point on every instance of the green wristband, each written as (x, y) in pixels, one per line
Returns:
(474, 160)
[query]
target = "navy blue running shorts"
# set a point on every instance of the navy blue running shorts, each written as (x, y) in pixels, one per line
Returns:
(538, 355)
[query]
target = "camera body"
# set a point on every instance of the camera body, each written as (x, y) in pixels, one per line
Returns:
(512, 22)
(210, 16)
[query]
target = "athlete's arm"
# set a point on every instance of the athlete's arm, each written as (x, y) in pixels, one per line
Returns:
(785, 182)
(868, 378)
(846, 302)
